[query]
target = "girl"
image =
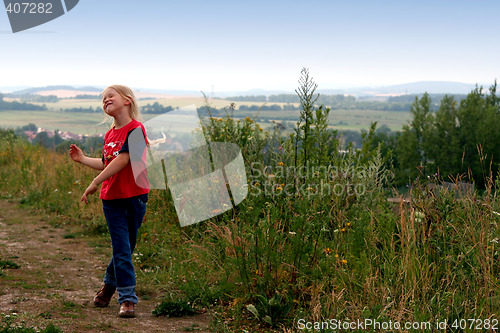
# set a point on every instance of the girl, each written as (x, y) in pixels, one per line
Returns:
(124, 202)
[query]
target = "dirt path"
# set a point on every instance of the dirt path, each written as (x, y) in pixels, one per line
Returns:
(57, 280)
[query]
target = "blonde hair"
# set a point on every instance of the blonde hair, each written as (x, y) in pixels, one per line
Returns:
(128, 94)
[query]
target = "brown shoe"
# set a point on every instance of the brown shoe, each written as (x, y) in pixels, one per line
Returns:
(127, 310)
(103, 296)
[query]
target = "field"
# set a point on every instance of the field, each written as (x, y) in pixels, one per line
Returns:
(338, 119)
(80, 123)
(91, 123)
(174, 102)
(319, 235)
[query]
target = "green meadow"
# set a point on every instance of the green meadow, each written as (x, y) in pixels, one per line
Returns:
(322, 233)
(56, 118)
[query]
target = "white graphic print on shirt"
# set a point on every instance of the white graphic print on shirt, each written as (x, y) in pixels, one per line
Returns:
(111, 150)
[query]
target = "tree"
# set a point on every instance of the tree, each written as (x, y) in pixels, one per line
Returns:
(445, 149)
(460, 139)
(30, 127)
(421, 125)
(407, 155)
(415, 141)
(44, 140)
(479, 121)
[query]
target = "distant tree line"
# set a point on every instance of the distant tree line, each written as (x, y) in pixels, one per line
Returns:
(349, 102)
(33, 98)
(4, 105)
(436, 97)
(269, 107)
(90, 109)
(86, 96)
(156, 108)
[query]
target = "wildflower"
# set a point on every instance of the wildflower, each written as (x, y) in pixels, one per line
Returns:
(343, 230)
(279, 188)
(343, 261)
(336, 256)
(292, 233)
(419, 216)
(348, 224)
(327, 251)
(280, 163)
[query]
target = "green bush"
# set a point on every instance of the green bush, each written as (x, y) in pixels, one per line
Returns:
(174, 309)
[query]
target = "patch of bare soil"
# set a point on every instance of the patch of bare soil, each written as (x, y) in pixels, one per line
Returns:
(58, 278)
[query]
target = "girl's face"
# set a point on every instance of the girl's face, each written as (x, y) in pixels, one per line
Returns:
(113, 103)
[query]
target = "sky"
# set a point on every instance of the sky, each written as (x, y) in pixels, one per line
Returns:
(243, 45)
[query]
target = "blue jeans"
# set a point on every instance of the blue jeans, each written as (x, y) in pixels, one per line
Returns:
(124, 217)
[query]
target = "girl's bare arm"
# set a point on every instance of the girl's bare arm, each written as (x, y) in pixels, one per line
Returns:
(78, 156)
(113, 167)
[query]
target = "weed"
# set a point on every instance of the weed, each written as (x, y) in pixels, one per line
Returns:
(8, 324)
(46, 315)
(71, 235)
(9, 264)
(192, 328)
(272, 311)
(178, 308)
(70, 305)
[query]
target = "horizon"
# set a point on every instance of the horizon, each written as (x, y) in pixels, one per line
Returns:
(433, 87)
(225, 46)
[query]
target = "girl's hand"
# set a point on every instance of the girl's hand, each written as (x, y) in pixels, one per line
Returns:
(76, 153)
(90, 190)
